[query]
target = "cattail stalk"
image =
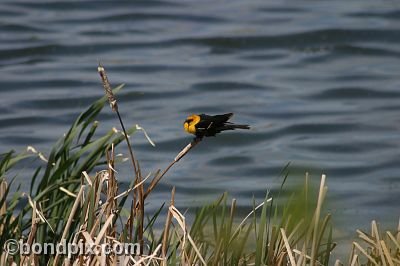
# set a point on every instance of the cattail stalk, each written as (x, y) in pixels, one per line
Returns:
(114, 106)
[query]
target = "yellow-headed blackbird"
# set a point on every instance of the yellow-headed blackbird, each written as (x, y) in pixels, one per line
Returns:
(208, 125)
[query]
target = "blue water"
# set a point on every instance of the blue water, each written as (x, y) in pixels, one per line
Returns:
(318, 81)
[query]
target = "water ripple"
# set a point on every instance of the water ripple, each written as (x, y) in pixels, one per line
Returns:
(225, 85)
(354, 93)
(316, 38)
(389, 15)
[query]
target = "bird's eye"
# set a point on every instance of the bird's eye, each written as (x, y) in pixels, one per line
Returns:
(189, 120)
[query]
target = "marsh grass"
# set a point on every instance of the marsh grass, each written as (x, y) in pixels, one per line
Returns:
(75, 198)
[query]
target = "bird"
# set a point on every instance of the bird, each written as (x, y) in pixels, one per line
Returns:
(203, 125)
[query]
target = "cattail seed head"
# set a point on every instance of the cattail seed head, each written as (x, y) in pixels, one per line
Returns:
(107, 88)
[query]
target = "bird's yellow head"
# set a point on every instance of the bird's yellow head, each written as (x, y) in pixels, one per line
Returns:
(190, 123)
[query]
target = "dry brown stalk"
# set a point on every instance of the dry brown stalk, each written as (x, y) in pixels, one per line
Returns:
(140, 215)
(71, 215)
(3, 208)
(166, 229)
(180, 155)
(31, 236)
(112, 189)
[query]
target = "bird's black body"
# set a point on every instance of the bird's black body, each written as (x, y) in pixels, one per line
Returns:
(210, 125)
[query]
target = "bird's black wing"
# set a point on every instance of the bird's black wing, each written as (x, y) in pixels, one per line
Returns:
(209, 125)
(216, 119)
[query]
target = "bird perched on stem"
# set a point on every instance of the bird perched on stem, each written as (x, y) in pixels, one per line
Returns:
(209, 125)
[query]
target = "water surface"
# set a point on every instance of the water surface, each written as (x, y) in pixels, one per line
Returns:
(318, 81)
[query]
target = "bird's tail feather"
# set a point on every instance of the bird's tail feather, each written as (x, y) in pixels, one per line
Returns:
(242, 126)
(234, 126)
